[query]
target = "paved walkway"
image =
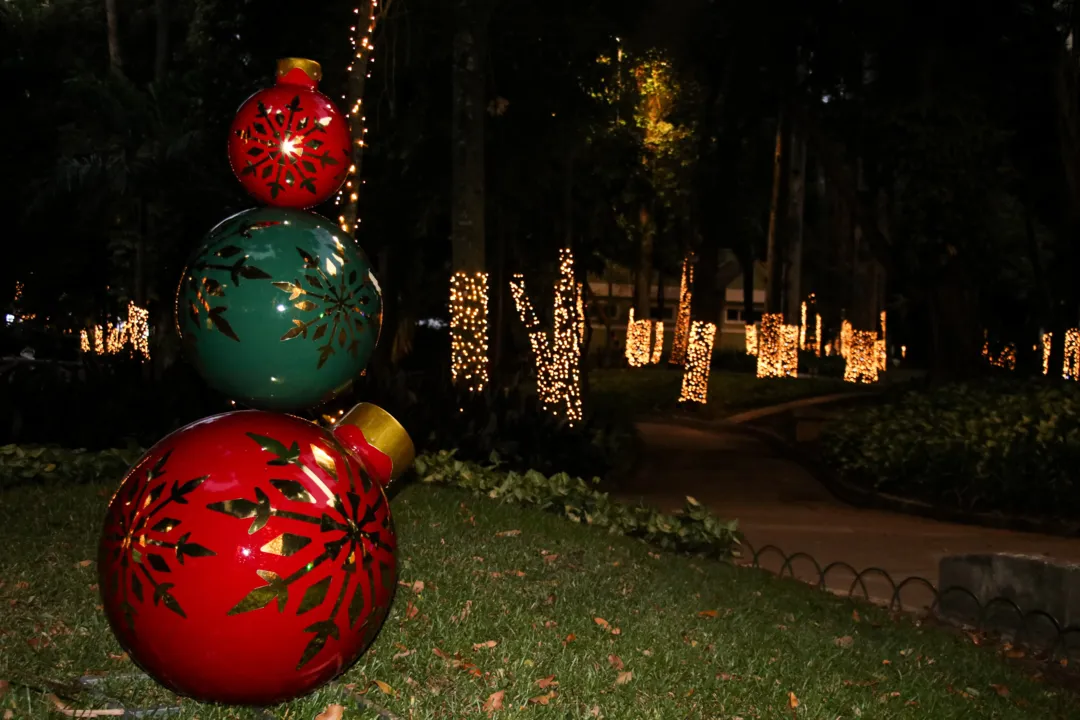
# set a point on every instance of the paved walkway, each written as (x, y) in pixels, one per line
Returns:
(778, 502)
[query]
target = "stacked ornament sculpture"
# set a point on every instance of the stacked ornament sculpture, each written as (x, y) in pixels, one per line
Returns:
(249, 558)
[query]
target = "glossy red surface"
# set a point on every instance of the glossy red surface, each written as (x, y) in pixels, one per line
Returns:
(247, 559)
(289, 144)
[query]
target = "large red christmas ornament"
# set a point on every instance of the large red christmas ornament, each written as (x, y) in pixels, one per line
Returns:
(248, 558)
(289, 144)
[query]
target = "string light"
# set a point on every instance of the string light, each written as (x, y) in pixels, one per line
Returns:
(1071, 370)
(789, 351)
(695, 385)
(817, 335)
(846, 331)
(580, 302)
(681, 337)
(1006, 359)
(558, 358)
(644, 341)
(903, 352)
(468, 329)
(751, 339)
(770, 346)
(363, 49)
(882, 355)
(112, 339)
(862, 357)
(1047, 338)
(802, 327)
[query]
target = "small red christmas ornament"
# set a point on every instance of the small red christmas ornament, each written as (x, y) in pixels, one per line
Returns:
(249, 558)
(289, 144)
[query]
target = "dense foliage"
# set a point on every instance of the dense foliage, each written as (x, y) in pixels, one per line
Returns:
(1004, 447)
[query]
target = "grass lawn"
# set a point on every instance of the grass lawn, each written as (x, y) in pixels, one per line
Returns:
(617, 631)
(643, 391)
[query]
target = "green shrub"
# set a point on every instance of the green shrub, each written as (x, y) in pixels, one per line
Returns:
(693, 530)
(1006, 447)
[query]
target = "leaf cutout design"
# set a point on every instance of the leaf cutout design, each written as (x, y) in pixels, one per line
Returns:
(314, 281)
(190, 549)
(314, 595)
(292, 490)
(305, 306)
(219, 322)
(286, 545)
(310, 263)
(324, 354)
(294, 290)
(228, 251)
(283, 455)
(342, 337)
(323, 630)
(158, 563)
(308, 165)
(320, 331)
(179, 494)
(325, 461)
(136, 587)
(255, 151)
(267, 171)
(161, 592)
(250, 272)
(357, 606)
(213, 288)
(240, 508)
(314, 143)
(260, 597)
(297, 331)
(165, 525)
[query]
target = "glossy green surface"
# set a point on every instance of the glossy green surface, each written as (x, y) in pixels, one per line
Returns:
(279, 309)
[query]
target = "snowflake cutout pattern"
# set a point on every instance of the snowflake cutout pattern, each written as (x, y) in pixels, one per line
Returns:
(338, 296)
(147, 540)
(207, 294)
(284, 147)
(347, 536)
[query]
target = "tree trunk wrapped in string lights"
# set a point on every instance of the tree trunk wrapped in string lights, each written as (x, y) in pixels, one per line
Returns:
(558, 356)
(680, 339)
(751, 339)
(468, 330)
(789, 352)
(802, 326)
(695, 385)
(862, 360)
(112, 338)
(846, 331)
(1071, 368)
(817, 335)
(644, 341)
(770, 338)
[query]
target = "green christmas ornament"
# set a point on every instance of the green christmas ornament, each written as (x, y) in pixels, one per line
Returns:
(279, 309)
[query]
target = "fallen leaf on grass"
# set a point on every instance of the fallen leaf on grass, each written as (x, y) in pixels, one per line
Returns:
(595, 711)
(122, 657)
(624, 677)
(548, 682)
(460, 617)
(1002, 690)
(384, 688)
(707, 614)
(494, 702)
(544, 699)
(488, 644)
(332, 712)
(616, 662)
(550, 559)
(411, 611)
(569, 639)
(66, 709)
(844, 642)
(507, 533)
(83, 563)
(416, 587)
(4, 687)
(855, 615)
(792, 701)
(403, 654)
(602, 623)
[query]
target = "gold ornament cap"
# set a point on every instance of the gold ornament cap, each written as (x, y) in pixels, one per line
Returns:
(311, 68)
(385, 434)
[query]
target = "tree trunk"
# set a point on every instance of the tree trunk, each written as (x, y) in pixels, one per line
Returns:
(467, 204)
(643, 277)
(793, 225)
(161, 45)
(774, 294)
(749, 266)
(116, 62)
(363, 50)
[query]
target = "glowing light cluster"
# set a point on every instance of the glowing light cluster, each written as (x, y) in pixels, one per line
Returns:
(1071, 370)
(363, 52)
(802, 327)
(789, 350)
(1006, 359)
(681, 338)
(751, 339)
(112, 339)
(468, 329)
(817, 335)
(770, 337)
(846, 331)
(882, 355)
(695, 384)
(862, 357)
(558, 355)
(644, 341)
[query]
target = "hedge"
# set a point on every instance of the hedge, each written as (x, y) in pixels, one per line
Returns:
(692, 530)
